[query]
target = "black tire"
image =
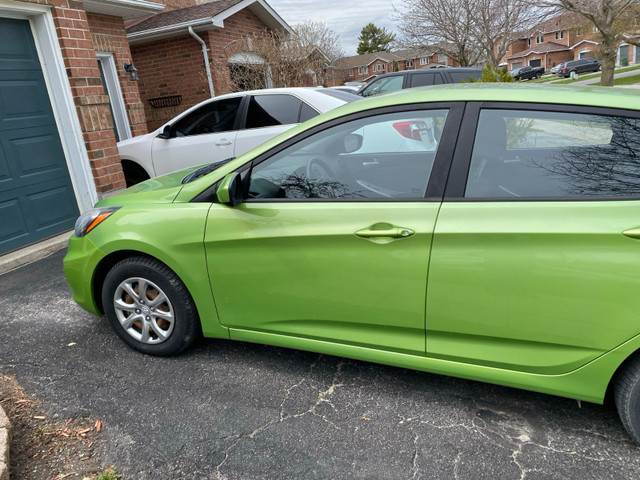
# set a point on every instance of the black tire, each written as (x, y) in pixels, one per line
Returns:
(627, 397)
(186, 323)
(538, 75)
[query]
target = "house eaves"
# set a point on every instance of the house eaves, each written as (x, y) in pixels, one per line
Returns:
(584, 41)
(259, 8)
(126, 9)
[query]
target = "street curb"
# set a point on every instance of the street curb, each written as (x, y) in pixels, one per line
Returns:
(5, 440)
(12, 260)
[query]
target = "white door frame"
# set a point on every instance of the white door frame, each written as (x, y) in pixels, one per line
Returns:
(59, 89)
(114, 93)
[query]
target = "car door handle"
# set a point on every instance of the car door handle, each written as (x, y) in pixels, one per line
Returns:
(391, 232)
(224, 142)
(632, 233)
(372, 162)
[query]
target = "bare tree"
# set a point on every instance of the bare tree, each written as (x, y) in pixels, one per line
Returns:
(441, 26)
(277, 59)
(467, 31)
(612, 18)
(498, 23)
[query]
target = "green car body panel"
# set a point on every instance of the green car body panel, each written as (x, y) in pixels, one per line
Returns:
(513, 293)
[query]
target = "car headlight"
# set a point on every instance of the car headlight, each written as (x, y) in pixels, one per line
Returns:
(91, 219)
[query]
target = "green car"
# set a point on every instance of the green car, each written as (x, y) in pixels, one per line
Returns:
(490, 232)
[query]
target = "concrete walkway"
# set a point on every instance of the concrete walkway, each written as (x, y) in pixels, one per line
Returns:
(596, 81)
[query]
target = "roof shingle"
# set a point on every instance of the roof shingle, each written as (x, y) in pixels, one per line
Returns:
(183, 15)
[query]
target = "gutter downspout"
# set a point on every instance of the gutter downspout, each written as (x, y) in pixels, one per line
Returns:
(206, 59)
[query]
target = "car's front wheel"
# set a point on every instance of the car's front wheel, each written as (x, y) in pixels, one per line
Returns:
(627, 397)
(149, 307)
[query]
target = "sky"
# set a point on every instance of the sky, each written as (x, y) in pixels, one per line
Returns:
(345, 17)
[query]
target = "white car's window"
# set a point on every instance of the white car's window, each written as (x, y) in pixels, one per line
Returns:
(216, 116)
(269, 110)
(354, 160)
(553, 154)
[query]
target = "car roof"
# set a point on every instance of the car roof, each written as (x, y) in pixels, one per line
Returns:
(497, 92)
(426, 70)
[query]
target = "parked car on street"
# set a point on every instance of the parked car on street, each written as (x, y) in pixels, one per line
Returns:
(223, 127)
(390, 82)
(556, 69)
(504, 248)
(526, 73)
(584, 65)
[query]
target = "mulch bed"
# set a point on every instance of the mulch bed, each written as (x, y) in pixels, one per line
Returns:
(44, 448)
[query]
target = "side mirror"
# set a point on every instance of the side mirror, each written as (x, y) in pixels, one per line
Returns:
(230, 190)
(352, 142)
(166, 132)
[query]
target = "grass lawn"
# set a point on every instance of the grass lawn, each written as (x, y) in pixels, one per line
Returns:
(627, 80)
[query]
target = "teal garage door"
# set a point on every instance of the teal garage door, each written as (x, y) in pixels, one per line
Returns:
(36, 195)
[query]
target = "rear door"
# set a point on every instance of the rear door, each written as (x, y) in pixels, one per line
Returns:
(267, 116)
(426, 79)
(536, 251)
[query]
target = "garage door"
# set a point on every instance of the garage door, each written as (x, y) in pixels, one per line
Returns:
(36, 195)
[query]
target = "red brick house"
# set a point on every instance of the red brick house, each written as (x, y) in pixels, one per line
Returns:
(171, 51)
(363, 68)
(560, 39)
(65, 99)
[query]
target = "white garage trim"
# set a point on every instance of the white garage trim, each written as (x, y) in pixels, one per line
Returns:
(64, 110)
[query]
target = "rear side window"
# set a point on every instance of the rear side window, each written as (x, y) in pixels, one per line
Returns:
(269, 110)
(307, 112)
(525, 154)
(426, 79)
(458, 77)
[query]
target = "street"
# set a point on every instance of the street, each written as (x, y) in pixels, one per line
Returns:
(233, 410)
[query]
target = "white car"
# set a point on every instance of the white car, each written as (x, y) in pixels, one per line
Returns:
(223, 127)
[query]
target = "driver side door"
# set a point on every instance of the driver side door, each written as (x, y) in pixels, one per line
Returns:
(315, 252)
(207, 134)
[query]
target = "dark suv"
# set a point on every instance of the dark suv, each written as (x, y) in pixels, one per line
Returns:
(583, 65)
(390, 82)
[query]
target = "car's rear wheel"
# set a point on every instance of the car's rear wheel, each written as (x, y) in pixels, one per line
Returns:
(149, 307)
(538, 75)
(627, 397)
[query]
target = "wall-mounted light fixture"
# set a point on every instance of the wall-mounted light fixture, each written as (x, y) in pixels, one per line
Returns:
(132, 71)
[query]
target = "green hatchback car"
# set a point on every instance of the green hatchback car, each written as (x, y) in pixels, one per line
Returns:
(490, 232)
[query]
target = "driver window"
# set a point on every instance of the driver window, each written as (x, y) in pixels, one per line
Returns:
(381, 157)
(214, 117)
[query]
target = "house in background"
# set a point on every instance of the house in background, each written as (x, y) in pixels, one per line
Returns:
(172, 50)
(363, 68)
(65, 99)
(561, 39)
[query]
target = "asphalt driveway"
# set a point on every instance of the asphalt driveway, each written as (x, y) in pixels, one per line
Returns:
(233, 410)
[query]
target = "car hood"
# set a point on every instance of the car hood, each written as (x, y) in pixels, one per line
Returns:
(162, 189)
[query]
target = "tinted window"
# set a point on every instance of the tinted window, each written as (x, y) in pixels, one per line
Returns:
(464, 76)
(268, 110)
(383, 85)
(307, 112)
(382, 157)
(550, 154)
(217, 116)
(423, 79)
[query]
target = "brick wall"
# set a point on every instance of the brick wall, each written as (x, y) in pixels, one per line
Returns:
(74, 36)
(108, 35)
(176, 66)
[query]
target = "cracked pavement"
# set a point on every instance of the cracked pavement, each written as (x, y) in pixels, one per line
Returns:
(228, 410)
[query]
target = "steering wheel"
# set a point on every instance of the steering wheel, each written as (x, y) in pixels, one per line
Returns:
(318, 170)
